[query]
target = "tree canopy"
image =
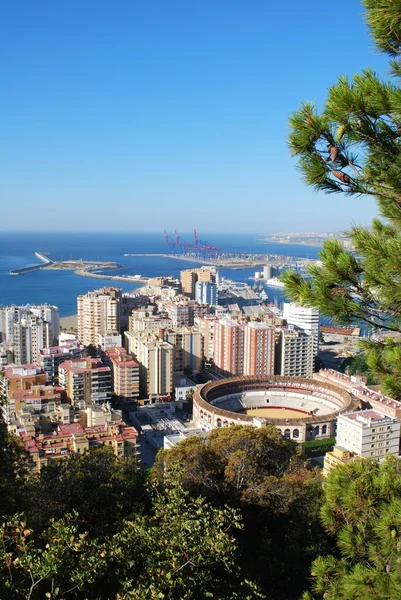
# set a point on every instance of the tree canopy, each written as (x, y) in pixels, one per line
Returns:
(362, 510)
(353, 146)
(278, 493)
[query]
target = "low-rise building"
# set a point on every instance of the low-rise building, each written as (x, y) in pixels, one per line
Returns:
(108, 340)
(76, 439)
(39, 404)
(363, 434)
(368, 433)
(369, 398)
(338, 456)
(14, 378)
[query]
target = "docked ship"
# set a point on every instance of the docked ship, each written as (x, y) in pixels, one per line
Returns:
(274, 282)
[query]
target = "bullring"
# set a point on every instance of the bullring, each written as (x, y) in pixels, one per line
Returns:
(302, 409)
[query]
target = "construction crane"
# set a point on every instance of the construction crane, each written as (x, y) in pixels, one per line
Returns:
(200, 248)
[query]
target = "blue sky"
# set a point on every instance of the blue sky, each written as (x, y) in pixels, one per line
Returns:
(146, 115)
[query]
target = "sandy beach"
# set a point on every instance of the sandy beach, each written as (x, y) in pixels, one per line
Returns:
(68, 322)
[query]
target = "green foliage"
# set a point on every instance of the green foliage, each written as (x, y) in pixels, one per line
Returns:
(357, 365)
(183, 549)
(353, 146)
(92, 351)
(269, 480)
(362, 509)
(318, 447)
(101, 488)
(13, 468)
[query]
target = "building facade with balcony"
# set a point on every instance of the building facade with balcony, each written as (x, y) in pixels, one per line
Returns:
(86, 381)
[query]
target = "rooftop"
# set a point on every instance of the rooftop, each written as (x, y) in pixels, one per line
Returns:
(368, 416)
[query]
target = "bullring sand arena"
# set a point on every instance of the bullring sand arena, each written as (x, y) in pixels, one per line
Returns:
(300, 408)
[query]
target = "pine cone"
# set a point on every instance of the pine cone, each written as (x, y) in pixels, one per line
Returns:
(341, 131)
(333, 153)
(341, 176)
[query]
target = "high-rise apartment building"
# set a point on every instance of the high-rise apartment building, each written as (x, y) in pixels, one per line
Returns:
(143, 320)
(156, 361)
(244, 348)
(206, 326)
(229, 346)
(86, 381)
(258, 349)
(28, 329)
(189, 277)
(98, 312)
(49, 315)
(188, 347)
(295, 354)
(305, 318)
(125, 373)
(366, 434)
(183, 311)
(206, 292)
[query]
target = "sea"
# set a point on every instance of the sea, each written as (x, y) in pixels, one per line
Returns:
(61, 288)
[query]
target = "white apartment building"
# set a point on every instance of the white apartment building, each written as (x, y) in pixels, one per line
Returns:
(296, 354)
(206, 292)
(305, 318)
(149, 322)
(10, 315)
(30, 336)
(368, 433)
(109, 340)
(98, 312)
(51, 316)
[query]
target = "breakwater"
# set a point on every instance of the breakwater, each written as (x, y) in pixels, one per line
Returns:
(26, 269)
(45, 259)
(127, 278)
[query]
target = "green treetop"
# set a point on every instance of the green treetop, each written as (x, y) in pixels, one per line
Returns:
(362, 510)
(353, 146)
